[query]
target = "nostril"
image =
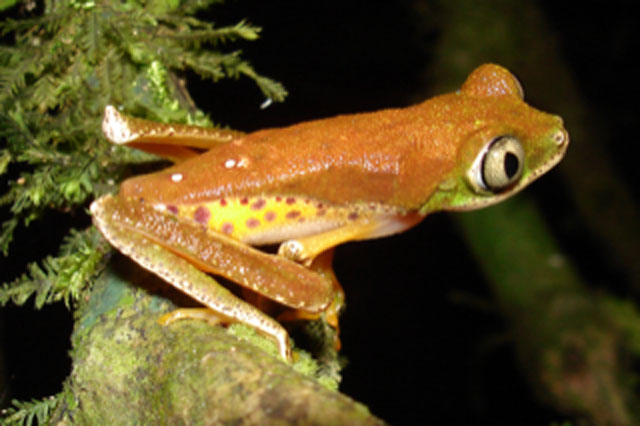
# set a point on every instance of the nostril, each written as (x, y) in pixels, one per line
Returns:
(561, 137)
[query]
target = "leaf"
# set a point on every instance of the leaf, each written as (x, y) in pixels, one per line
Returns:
(5, 159)
(63, 277)
(24, 413)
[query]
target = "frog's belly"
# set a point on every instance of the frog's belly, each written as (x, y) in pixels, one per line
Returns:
(272, 219)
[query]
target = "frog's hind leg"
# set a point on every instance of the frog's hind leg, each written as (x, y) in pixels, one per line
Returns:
(186, 277)
(179, 251)
(322, 264)
(176, 142)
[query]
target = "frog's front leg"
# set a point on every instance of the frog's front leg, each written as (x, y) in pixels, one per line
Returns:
(304, 250)
(180, 251)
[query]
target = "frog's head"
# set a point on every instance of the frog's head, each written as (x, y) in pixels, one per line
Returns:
(506, 144)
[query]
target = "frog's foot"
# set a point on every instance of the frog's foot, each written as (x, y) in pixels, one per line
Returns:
(202, 314)
(330, 316)
(211, 317)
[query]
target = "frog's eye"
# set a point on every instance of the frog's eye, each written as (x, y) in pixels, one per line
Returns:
(499, 165)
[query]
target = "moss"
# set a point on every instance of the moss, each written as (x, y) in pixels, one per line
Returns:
(129, 369)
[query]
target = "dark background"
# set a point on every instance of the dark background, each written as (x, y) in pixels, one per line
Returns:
(416, 354)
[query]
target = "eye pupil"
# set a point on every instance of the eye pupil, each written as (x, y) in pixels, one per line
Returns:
(511, 164)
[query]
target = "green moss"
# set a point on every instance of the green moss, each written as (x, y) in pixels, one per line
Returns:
(128, 369)
(249, 334)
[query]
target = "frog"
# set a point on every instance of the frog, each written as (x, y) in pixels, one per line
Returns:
(309, 187)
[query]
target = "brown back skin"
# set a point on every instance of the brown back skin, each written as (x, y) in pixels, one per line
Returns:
(395, 157)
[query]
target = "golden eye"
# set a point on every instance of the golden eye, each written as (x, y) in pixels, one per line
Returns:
(498, 165)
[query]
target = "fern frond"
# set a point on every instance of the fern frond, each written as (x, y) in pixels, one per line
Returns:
(13, 76)
(92, 38)
(25, 412)
(270, 88)
(199, 33)
(6, 235)
(63, 277)
(5, 159)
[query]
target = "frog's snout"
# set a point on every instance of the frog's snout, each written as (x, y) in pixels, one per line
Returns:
(561, 137)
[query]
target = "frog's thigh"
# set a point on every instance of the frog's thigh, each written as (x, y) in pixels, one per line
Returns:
(272, 276)
(183, 275)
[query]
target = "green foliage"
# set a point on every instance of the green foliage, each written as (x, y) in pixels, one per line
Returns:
(64, 67)
(24, 413)
(62, 277)
(6, 4)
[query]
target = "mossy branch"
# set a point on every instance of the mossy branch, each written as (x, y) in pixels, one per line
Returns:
(187, 371)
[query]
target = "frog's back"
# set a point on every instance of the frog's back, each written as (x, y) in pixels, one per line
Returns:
(344, 159)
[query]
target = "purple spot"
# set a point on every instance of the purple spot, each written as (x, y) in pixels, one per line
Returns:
(278, 198)
(252, 222)
(270, 216)
(290, 200)
(244, 201)
(223, 202)
(172, 209)
(201, 215)
(227, 228)
(293, 214)
(353, 215)
(258, 204)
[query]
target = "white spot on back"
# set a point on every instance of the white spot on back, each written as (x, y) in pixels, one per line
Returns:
(230, 163)
(176, 177)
